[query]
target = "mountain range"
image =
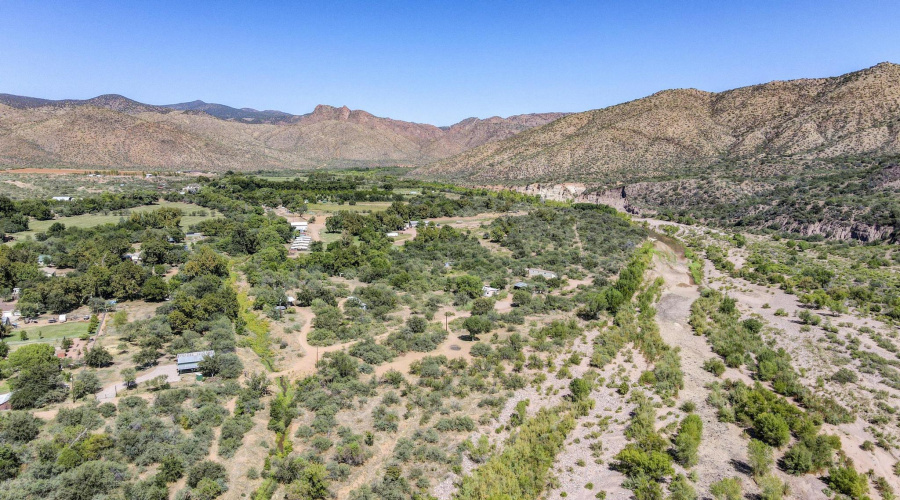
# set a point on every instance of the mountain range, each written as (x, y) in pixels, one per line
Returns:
(667, 132)
(114, 131)
(649, 138)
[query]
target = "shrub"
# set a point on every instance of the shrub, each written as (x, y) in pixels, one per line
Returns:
(681, 489)
(9, 463)
(847, 481)
(633, 462)
(19, 427)
(771, 488)
(844, 376)
(687, 442)
(714, 366)
(771, 429)
(206, 469)
(85, 383)
(760, 457)
(520, 471)
(727, 489)
(580, 388)
(458, 424)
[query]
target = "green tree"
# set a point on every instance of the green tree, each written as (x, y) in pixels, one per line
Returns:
(85, 383)
(312, 484)
(477, 325)
(225, 365)
(155, 289)
(120, 318)
(19, 427)
(468, 285)
(9, 463)
(521, 298)
(760, 458)
(482, 306)
(146, 356)
(98, 357)
(129, 377)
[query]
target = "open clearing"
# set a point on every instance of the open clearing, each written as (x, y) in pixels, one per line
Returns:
(91, 220)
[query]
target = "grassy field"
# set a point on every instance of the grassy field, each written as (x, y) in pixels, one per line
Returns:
(364, 206)
(90, 220)
(280, 178)
(47, 333)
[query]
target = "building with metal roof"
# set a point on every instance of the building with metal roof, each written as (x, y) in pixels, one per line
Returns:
(190, 361)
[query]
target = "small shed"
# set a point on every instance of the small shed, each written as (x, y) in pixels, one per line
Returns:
(521, 285)
(5, 401)
(489, 291)
(190, 361)
(62, 198)
(392, 234)
(62, 318)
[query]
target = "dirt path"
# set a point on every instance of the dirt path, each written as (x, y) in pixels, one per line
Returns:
(170, 371)
(810, 355)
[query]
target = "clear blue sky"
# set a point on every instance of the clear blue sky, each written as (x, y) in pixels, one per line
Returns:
(429, 61)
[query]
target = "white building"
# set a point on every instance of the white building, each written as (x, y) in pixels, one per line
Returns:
(489, 291)
(532, 272)
(62, 198)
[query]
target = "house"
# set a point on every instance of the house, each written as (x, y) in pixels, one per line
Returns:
(135, 257)
(489, 291)
(62, 198)
(533, 272)
(521, 285)
(301, 226)
(412, 224)
(190, 189)
(190, 361)
(5, 401)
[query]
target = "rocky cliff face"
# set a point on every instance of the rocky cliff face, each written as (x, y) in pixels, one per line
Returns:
(654, 200)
